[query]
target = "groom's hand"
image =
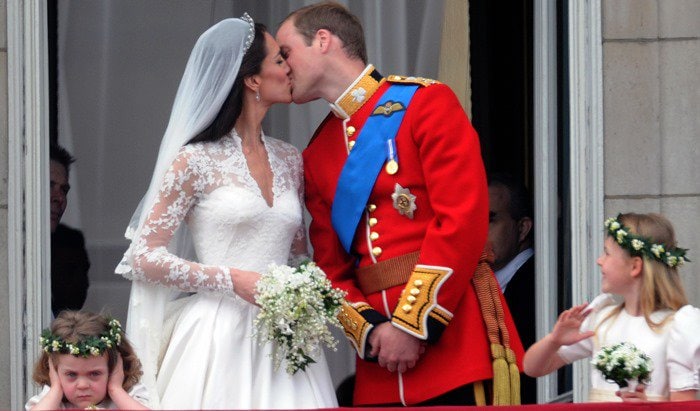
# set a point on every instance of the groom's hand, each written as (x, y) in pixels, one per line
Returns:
(395, 349)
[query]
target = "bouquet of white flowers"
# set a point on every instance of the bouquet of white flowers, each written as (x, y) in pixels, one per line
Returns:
(623, 363)
(296, 304)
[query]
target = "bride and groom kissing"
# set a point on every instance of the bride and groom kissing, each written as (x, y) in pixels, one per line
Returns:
(396, 189)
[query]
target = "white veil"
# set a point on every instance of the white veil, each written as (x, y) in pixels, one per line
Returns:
(209, 75)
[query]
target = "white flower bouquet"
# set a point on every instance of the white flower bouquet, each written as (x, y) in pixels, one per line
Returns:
(623, 364)
(296, 306)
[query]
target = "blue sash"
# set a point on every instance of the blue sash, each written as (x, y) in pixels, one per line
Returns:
(365, 162)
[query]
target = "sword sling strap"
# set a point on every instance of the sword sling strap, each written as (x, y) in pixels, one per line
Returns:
(506, 376)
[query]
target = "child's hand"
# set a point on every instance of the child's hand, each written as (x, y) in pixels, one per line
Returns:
(566, 330)
(116, 392)
(116, 377)
(52, 400)
(53, 377)
(638, 395)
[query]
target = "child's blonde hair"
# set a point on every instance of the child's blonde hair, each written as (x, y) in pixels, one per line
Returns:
(662, 287)
(75, 326)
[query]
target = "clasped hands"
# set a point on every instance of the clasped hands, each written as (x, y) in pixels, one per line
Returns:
(395, 350)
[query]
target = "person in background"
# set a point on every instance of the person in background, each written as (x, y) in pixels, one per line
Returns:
(510, 235)
(69, 259)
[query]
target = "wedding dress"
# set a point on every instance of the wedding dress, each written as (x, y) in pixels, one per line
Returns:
(210, 356)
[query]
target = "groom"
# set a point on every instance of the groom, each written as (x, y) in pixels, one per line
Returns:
(397, 192)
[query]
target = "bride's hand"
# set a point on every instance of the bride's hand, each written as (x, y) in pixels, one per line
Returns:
(244, 284)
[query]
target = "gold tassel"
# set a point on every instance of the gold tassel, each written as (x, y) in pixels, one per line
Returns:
(501, 378)
(479, 393)
(514, 377)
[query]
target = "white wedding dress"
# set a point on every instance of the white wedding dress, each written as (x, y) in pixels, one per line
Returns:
(210, 356)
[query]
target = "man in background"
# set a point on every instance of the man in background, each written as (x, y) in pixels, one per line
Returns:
(510, 235)
(69, 259)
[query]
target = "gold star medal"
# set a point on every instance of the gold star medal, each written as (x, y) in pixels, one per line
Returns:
(404, 201)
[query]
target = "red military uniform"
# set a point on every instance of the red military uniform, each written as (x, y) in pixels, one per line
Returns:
(435, 207)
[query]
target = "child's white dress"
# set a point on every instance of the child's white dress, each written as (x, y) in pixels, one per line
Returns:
(138, 392)
(674, 350)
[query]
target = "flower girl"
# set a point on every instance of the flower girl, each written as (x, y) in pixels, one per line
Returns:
(639, 264)
(87, 362)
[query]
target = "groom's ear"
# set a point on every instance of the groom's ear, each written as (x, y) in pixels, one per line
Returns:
(323, 39)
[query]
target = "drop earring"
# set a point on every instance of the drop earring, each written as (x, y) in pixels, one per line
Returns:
(257, 95)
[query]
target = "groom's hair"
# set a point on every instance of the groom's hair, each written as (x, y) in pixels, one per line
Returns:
(335, 18)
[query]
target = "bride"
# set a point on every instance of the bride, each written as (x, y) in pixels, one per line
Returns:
(238, 192)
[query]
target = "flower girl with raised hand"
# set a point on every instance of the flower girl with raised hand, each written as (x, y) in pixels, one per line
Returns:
(640, 264)
(87, 362)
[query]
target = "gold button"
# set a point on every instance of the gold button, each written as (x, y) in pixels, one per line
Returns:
(406, 308)
(354, 325)
(351, 144)
(350, 130)
(377, 251)
(372, 222)
(374, 236)
(418, 283)
(372, 207)
(415, 291)
(411, 299)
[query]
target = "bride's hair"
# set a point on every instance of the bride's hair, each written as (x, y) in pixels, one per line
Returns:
(231, 109)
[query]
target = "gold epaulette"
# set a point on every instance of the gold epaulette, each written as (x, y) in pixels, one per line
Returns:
(425, 82)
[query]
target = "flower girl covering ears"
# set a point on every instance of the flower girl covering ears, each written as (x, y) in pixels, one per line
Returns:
(639, 264)
(86, 362)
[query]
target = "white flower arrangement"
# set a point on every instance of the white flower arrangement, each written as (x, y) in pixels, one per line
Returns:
(623, 363)
(297, 304)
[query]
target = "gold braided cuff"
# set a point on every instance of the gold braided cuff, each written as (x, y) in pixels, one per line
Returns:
(355, 325)
(418, 311)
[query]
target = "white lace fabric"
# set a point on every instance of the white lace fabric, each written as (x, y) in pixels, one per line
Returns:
(209, 187)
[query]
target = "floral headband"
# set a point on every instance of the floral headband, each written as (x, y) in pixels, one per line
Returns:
(642, 246)
(92, 345)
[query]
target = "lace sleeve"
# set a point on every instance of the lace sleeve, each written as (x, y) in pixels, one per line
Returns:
(182, 185)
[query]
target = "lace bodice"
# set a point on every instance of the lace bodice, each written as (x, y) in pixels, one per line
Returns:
(209, 187)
